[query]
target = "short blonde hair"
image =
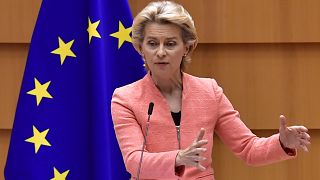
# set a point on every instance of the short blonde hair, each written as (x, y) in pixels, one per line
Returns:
(164, 12)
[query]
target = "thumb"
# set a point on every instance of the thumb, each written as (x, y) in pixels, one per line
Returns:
(283, 123)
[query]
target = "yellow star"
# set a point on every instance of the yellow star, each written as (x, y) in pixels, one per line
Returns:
(38, 139)
(123, 34)
(64, 50)
(92, 29)
(58, 175)
(40, 91)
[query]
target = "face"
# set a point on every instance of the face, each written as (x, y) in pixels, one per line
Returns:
(163, 49)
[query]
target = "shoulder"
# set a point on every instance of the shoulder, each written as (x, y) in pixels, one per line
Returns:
(201, 82)
(131, 92)
(127, 89)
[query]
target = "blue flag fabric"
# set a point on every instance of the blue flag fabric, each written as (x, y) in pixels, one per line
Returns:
(80, 52)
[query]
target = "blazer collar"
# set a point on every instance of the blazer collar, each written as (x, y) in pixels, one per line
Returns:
(185, 79)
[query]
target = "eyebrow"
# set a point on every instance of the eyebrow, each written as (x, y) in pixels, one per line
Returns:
(170, 38)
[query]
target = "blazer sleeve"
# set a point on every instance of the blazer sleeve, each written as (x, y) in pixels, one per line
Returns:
(130, 138)
(243, 143)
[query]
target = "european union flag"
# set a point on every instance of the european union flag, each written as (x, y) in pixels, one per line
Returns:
(80, 52)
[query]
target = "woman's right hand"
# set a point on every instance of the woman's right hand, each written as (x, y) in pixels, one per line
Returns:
(191, 156)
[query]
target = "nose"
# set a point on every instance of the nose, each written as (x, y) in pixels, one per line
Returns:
(161, 52)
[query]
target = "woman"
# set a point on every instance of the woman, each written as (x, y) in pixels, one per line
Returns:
(188, 110)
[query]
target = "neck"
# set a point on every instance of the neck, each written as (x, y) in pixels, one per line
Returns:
(168, 84)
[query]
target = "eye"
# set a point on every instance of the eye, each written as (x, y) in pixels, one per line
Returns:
(171, 43)
(152, 43)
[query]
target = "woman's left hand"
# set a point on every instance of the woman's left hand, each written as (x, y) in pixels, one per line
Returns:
(293, 137)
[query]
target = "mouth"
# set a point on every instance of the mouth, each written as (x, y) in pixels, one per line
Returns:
(162, 63)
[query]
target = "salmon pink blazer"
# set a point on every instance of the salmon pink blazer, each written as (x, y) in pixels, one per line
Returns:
(204, 105)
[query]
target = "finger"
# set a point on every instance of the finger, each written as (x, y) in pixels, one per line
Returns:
(200, 143)
(300, 129)
(283, 123)
(303, 129)
(305, 136)
(197, 165)
(197, 158)
(200, 167)
(293, 131)
(191, 163)
(200, 135)
(304, 147)
(196, 151)
(304, 142)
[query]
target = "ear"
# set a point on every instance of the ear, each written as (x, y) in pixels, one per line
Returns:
(187, 50)
(140, 50)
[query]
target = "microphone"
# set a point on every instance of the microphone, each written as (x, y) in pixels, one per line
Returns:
(150, 109)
